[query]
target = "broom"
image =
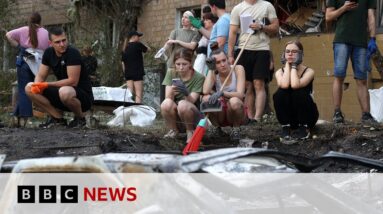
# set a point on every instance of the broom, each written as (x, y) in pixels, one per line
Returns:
(195, 141)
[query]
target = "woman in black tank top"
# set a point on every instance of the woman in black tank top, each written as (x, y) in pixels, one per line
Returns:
(293, 101)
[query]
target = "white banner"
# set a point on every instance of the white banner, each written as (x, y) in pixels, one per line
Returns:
(191, 193)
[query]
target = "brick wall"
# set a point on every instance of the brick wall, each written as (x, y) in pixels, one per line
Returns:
(159, 18)
(52, 11)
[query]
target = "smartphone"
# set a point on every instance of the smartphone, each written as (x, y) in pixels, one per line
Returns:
(177, 81)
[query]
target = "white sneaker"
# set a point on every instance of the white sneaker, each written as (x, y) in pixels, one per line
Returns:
(171, 134)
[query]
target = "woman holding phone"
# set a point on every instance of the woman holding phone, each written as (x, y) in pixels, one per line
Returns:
(293, 101)
(183, 88)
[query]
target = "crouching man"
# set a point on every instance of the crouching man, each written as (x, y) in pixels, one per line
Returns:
(71, 92)
(231, 96)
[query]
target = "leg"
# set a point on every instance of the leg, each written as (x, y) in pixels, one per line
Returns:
(250, 100)
(169, 113)
(282, 103)
(68, 98)
(235, 112)
(138, 88)
(189, 114)
(42, 102)
(341, 55)
(304, 107)
(24, 104)
(260, 98)
(130, 86)
(360, 73)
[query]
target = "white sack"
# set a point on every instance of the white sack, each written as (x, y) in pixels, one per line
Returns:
(376, 103)
(139, 115)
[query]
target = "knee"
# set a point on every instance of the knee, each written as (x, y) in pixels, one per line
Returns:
(184, 107)
(259, 85)
(66, 93)
(28, 88)
(235, 104)
(167, 104)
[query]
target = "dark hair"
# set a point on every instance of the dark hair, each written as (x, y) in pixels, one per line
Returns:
(218, 3)
(206, 9)
(217, 51)
(57, 31)
(295, 42)
(33, 24)
(184, 53)
(210, 17)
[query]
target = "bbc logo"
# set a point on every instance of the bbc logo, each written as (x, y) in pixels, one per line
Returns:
(47, 194)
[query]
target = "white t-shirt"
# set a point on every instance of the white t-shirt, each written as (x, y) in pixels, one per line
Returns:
(261, 9)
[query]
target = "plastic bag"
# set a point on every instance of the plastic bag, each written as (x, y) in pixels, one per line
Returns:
(33, 58)
(139, 115)
(200, 64)
(376, 103)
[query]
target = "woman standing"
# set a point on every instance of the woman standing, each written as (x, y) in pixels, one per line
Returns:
(183, 88)
(133, 64)
(293, 102)
(31, 36)
(184, 37)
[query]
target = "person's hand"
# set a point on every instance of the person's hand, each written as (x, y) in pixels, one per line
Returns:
(297, 60)
(349, 5)
(38, 87)
(195, 22)
(181, 88)
(214, 97)
(371, 48)
(171, 41)
(210, 62)
(283, 58)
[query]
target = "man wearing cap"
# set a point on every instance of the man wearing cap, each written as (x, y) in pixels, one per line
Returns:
(133, 64)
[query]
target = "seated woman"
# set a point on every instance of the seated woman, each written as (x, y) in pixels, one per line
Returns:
(293, 101)
(231, 97)
(183, 88)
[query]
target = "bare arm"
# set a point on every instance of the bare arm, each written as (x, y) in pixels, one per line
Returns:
(188, 45)
(73, 77)
(231, 42)
(12, 41)
(297, 82)
(43, 73)
(204, 32)
(208, 83)
(169, 92)
(272, 28)
(283, 77)
(371, 22)
(241, 81)
(332, 14)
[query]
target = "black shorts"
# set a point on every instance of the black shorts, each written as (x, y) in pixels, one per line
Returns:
(52, 94)
(134, 76)
(256, 64)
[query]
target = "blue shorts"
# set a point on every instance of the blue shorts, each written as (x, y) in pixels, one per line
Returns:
(342, 53)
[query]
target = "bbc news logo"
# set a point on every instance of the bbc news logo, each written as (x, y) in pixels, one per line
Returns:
(70, 194)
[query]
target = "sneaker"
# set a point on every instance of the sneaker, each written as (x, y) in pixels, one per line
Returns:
(53, 122)
(302, 133)
(235, 133)
(285, 134)
(171, 134)
(216, 132)
(367, 119)
(338, 117)
(77, 122)
(252, 121)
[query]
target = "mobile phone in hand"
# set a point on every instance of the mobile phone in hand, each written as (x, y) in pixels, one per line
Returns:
(177, 81)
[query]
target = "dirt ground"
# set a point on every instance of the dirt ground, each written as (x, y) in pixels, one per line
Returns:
(351, 138)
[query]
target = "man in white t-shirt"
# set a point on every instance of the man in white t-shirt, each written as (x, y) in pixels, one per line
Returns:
(256, 56)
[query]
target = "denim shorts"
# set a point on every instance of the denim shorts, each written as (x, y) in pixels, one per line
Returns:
(342, 53)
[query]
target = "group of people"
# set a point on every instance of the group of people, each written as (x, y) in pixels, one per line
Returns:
(235, 79)
(243, 97)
